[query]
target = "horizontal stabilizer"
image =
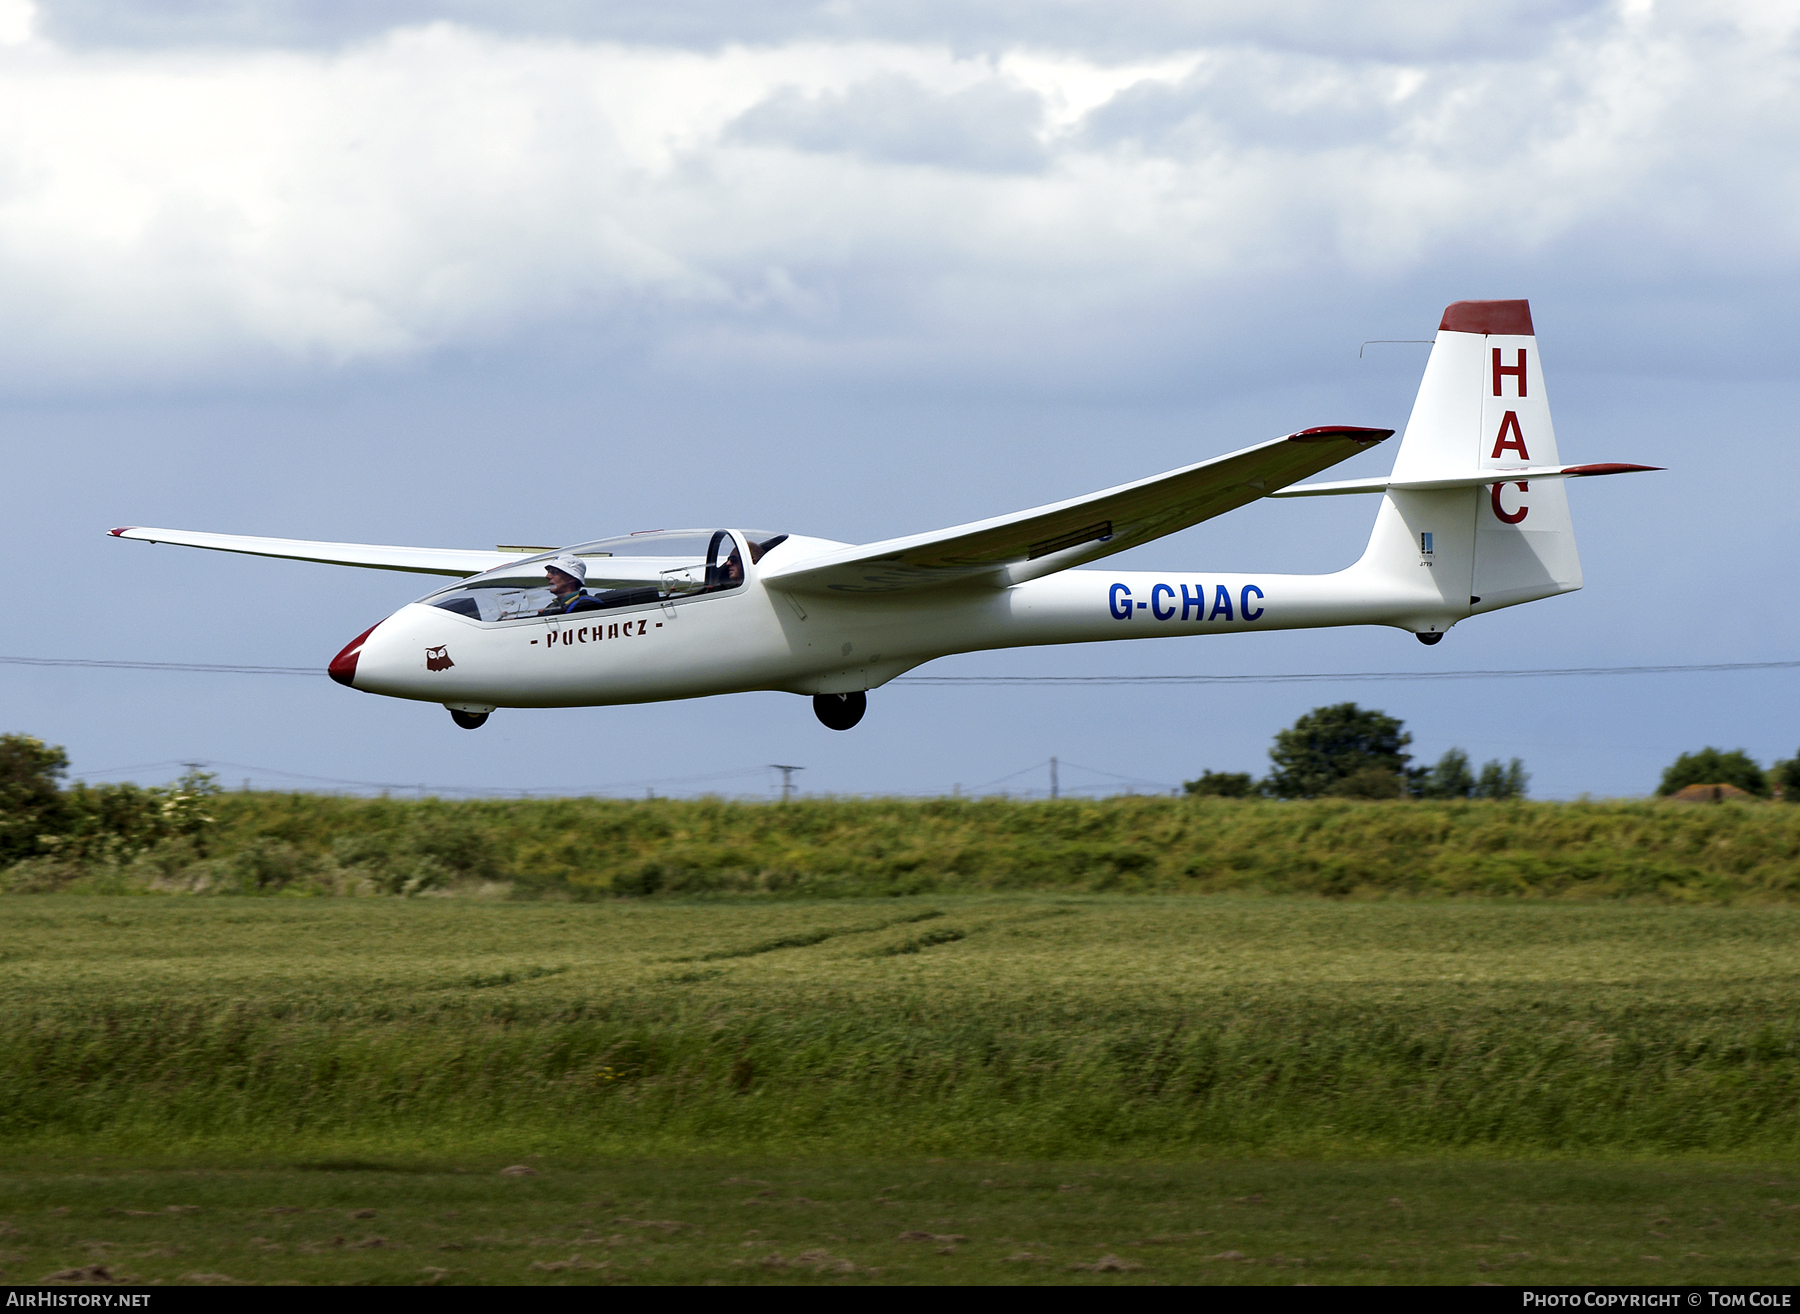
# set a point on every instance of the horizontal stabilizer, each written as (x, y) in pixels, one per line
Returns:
(418, 561)
(1343, 486)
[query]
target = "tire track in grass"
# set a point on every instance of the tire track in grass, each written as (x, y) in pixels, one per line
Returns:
(806, 939)
(511, 976)
(951, 934)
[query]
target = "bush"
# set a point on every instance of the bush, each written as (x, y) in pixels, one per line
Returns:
(1221, 784)
(30, 802)
(90, 823)
(1712, 766)
(1786, 775)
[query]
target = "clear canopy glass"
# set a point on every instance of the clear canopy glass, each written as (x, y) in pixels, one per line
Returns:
(635, 570)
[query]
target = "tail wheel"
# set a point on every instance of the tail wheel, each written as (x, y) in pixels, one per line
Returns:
(840, 711)
(469, 720)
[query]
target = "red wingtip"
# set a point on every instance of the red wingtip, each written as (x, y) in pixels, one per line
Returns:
(343, 666)
(1326, 432)
(1509, 318)
(120, 530)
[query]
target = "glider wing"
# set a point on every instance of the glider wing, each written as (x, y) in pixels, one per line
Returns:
(1029, 544)
(418, 561)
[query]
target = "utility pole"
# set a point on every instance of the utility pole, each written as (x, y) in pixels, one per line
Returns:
(787, 779)
(1053, 789)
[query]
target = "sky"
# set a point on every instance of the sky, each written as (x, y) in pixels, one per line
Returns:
(535, 272)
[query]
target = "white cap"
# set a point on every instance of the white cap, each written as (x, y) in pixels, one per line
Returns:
(569, 564)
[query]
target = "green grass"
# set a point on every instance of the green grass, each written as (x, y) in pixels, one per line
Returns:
(843, 1221)
(974, 1026)
(778, 1091)
(1735, 853)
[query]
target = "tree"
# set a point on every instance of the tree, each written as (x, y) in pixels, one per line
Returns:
(1221, 784)
(1331, 744)
(30, 802)
(1450, 778)
(1499, 782)
(1712, 766)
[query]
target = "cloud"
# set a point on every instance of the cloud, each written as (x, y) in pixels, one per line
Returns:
(884, 208)
(991, 126)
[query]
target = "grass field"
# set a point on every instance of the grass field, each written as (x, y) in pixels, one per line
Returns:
(1740, 853)
(855, 1221)
(1559, 1074)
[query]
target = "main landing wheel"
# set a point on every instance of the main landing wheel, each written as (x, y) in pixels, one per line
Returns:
(469, 720)
(840, 711)
(1430, 637)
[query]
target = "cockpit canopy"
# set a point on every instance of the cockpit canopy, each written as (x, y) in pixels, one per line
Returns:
(661, 566)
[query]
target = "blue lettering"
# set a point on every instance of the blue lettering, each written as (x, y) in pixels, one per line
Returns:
(1155, 594)
(1245, 602)
(1142, 605)
(1197, 601)
(1119, 599)
(1221, 603)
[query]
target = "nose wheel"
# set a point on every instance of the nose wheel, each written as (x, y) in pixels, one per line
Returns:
(840, 711)
(468, 720)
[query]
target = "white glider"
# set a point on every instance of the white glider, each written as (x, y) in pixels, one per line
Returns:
(1473, 518)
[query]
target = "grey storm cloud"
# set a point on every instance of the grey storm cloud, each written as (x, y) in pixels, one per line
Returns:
(992, 126)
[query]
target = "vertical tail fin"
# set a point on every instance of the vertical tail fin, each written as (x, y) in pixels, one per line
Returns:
(1481, 407)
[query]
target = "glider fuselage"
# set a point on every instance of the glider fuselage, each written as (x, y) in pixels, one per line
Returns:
(756, 637)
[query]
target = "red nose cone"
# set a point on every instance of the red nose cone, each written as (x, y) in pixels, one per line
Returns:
(343, 666)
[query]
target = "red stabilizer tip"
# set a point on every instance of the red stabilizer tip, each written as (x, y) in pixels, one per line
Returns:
(343, 666)
(1608, 467)
(120, 530)
(1509, 318)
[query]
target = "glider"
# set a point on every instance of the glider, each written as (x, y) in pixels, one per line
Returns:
(1473, 518)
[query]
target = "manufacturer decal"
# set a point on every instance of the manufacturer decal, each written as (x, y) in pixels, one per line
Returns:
(598, 633)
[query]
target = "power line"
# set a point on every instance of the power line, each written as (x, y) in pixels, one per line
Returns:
(1308, 677)
(1056, 787)
(1330, 677)
(553, 791)
(203, 668)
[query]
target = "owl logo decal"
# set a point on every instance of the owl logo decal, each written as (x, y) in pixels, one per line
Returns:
(438, 659)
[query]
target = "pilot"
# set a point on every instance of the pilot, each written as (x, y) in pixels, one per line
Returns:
(564, 578)
(731, 574)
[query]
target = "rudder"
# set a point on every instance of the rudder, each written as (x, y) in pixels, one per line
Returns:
(1481, 407)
